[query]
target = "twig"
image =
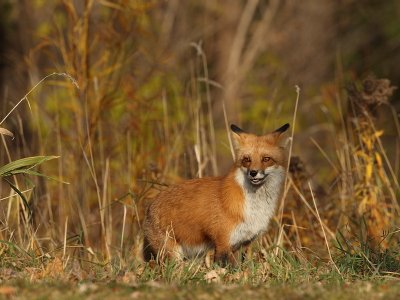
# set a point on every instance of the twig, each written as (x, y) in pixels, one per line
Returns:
(322, 227)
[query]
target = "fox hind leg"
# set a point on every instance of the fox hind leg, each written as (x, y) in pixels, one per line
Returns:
(160, 246)
(148, 252)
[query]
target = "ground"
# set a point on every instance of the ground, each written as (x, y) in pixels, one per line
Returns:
(23, 289)
(193, 280)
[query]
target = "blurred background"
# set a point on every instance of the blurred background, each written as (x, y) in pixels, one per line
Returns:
(141, 93)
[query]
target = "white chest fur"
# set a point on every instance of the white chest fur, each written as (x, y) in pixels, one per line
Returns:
(259, 205)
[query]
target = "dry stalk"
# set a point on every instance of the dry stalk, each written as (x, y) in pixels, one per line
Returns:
(323, 229)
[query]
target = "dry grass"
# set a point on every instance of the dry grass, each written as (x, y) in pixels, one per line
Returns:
(123, 129)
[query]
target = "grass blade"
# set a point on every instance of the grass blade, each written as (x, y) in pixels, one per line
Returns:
(27, 162)
(26, 204)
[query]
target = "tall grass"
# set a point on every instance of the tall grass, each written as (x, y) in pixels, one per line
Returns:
(125, 128)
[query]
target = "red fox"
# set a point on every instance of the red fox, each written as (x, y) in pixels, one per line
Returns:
(221, 213)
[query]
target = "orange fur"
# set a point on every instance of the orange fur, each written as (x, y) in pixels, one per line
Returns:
(200, 214)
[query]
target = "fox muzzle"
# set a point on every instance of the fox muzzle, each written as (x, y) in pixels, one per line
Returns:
(256, 177)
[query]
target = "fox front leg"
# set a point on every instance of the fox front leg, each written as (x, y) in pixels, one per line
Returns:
(225, 257)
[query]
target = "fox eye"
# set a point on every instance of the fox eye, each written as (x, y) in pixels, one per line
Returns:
(246, 159)
(266, 158)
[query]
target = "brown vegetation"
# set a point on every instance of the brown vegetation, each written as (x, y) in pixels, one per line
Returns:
(139, 94)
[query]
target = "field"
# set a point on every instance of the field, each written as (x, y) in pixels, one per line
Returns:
(60, 290)
(196, 282)
(105, 103)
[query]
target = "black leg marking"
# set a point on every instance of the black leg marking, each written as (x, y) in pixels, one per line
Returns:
(222, 259)
(148, 253)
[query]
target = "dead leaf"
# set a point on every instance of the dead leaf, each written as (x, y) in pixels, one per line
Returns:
(6, 132)
(221, 271)
(136, 295)
(87, 287)
(212, 276)
(140, 270)
(368, 172)
(378, 133)
(129, 278)
(54, 268)
(90, 250)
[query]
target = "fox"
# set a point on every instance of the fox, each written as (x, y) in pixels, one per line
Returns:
(221, 213)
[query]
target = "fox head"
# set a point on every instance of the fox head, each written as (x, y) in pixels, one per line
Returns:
(260, 156)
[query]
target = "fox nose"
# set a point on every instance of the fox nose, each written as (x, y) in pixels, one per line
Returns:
(253, 173)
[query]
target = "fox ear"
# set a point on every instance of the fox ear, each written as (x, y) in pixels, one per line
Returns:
(236, 132)
(281, 129)
(236, 129)
(282, 142)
